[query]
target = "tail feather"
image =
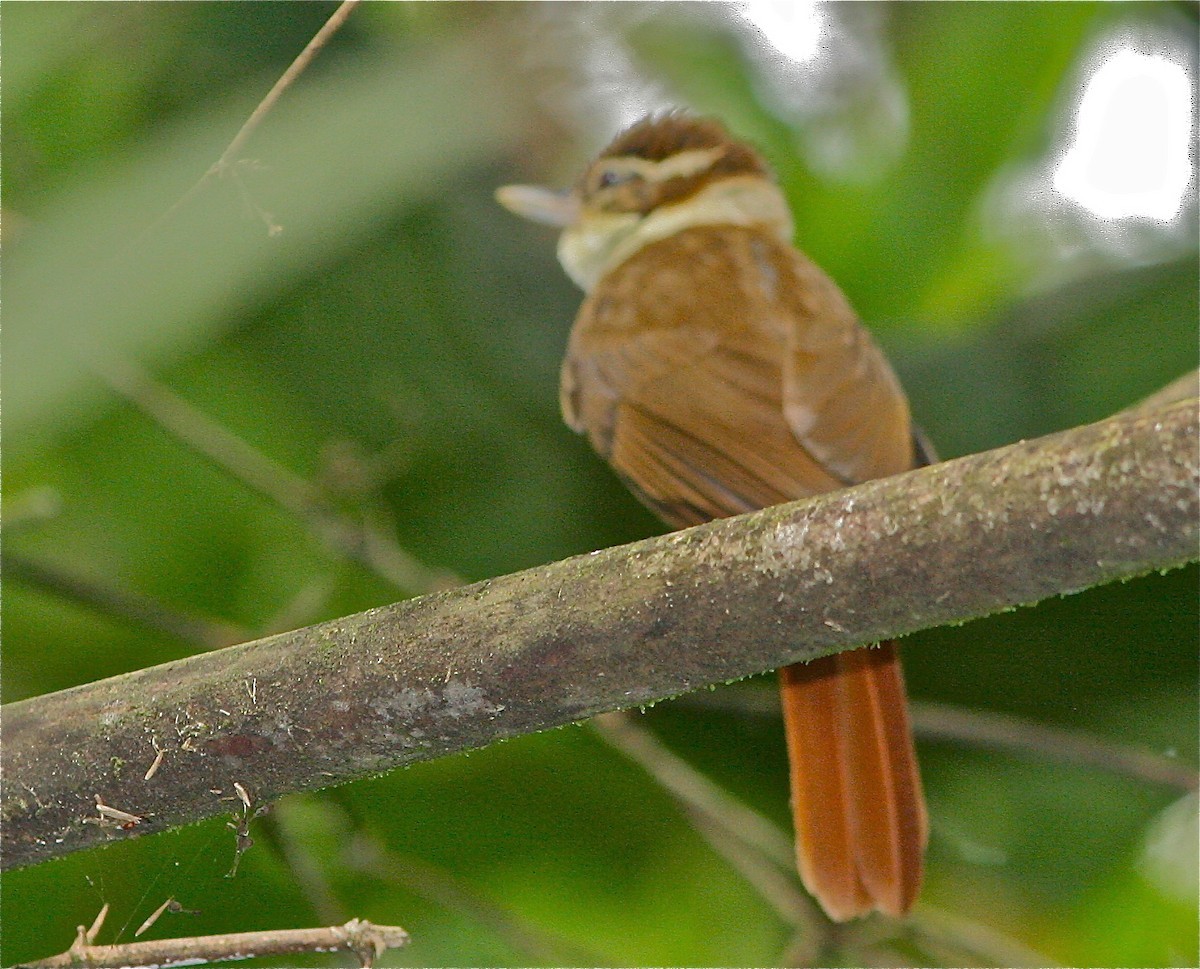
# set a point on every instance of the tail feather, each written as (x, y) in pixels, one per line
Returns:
(860, 818)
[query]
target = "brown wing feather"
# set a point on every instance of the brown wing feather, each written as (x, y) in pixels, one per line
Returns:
(727, 443)
(779, 377)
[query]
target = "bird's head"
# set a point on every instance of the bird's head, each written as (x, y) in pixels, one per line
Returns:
(664, 174)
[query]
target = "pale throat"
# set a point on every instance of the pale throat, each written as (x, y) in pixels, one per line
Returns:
(600, 241)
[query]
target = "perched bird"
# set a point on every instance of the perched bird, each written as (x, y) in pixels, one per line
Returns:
(719, 370)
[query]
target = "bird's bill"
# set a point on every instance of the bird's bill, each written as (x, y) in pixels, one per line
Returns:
(539, 204)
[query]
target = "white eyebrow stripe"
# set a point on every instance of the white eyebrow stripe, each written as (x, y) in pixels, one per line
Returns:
(685, 163)
(679, 165)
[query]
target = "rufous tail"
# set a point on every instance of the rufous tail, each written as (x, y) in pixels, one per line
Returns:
(860, 818)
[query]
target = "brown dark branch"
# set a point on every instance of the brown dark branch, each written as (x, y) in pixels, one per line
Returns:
(614, 629)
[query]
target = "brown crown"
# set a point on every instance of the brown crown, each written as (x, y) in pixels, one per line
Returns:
(656, 138)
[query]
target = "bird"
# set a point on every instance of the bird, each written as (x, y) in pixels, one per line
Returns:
(719, 370)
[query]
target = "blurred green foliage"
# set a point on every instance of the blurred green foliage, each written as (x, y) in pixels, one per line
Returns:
(398, 341)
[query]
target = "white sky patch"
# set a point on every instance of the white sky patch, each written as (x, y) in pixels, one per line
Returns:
(825, 70)
(1133, 133)
(792, 27)
(615, 81)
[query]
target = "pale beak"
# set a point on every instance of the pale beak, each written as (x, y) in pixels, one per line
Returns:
(539, 204)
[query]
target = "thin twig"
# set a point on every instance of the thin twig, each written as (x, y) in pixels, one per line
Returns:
(230, 155)
(694, 790)
(284, 834)
(364, 939)
(170, 904)
(935, 926)
(365, 855)
(298, 66)
(999, 731)
(742, 836)
(153, 614)
(845, 943)
(1002, 731)
(778, 889)
(121, 604)
(355, 540)
(309, 601)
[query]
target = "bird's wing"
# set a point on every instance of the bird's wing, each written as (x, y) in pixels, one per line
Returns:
(715, 402)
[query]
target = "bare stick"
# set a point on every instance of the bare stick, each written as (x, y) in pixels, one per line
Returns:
(365, 855)
(298, 66)
(355, 540)
(694, 790)
(743, 837)
(230, 155)
(120, 603)
(364, 939)
(615, 629)
(999, 731)
(936, 927)
(777, 888)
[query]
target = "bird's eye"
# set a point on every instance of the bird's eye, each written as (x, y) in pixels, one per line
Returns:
(609, 177)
